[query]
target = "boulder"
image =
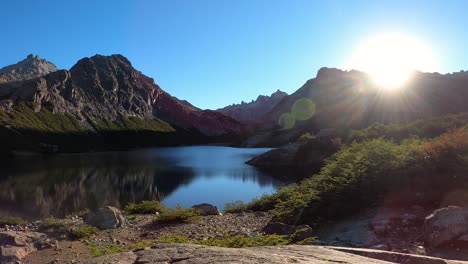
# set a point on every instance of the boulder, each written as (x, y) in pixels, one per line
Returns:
(105, 218)
(445, 225)
(207, 209)
(15, 245)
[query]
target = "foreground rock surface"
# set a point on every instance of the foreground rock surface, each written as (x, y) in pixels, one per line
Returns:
(14, 245)
(105, 218)
(185, 253)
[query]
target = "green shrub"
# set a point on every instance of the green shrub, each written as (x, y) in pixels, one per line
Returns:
(235, 207)
(105, 250)
(145, 207)
(82, 231)
(304, 138)
(229, 241)
(11, 220)
(179, 215)
(54, 224)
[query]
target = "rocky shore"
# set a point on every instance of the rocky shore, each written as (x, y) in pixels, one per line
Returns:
(390, 236)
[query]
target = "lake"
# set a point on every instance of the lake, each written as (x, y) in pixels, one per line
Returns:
(41, 186)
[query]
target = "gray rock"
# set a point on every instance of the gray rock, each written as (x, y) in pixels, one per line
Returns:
(445, 225)
(207, 209)
(105, 218)
(282, 157)
(15, 245)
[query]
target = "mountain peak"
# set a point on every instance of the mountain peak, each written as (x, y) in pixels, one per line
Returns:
(29, 68)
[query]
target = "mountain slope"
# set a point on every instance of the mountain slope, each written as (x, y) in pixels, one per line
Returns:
(250, 113)
(350, 99)
(107, 89)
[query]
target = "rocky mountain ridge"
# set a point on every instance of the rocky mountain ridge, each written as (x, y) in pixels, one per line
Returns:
(107, 88)
(252, 112)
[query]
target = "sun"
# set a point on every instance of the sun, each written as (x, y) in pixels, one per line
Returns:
(390, 59)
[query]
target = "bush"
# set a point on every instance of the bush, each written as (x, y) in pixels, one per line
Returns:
(447, 151)
(179, 215)
(235, 207)
(230, 241)
(304, 138)
(82, 231)
(145, 207)
(54, 224)
(105, 250)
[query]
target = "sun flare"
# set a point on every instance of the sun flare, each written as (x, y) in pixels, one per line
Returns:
(391, 59)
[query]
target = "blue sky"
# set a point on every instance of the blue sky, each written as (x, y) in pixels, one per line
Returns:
(217, 52)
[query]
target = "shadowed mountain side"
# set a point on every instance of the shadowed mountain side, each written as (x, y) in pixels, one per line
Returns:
(350, 100)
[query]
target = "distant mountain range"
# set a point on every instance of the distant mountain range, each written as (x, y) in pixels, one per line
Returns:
(253, 112)
(103, 93)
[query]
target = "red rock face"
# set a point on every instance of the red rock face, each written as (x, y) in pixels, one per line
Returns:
(187, 116)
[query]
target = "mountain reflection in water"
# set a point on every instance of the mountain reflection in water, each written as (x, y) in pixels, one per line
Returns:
(40, 186)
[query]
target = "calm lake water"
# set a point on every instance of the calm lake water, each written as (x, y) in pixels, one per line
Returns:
(40, 186)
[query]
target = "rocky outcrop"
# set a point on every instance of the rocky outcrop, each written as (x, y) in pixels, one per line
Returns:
(15, 245)
(29, 68)
(282, 157)
(445, 225)
(250, 113)
(207, 209)
(105, 218)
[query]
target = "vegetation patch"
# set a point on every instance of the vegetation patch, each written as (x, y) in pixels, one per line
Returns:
(104, 250)
(179, 215)
(11, 220)
(145, 207)
(82, 231)
(236, 241)
(424, 128)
